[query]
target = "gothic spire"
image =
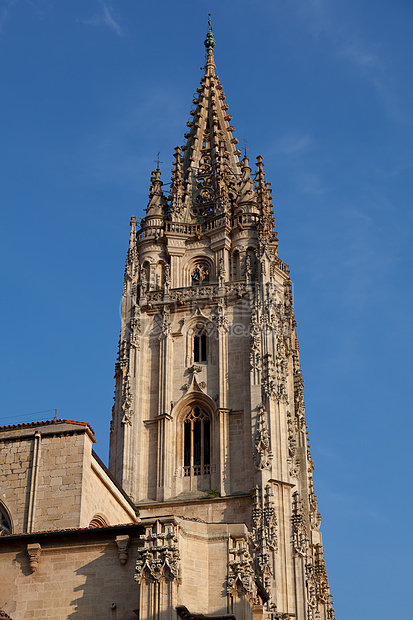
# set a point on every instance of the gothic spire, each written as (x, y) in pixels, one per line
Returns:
(246, 186)
(210, 163)
(157, 200)
(264, 197)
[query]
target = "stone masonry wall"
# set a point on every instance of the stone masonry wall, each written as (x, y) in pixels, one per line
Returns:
(214, 510)
(100, 496)
(49, 479)
(74, 579)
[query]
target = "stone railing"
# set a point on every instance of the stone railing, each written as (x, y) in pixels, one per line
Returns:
(208, 291)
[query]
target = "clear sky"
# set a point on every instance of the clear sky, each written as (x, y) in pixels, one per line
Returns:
(91, 90)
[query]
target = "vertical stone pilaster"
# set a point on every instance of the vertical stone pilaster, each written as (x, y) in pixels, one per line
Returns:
(158, 571)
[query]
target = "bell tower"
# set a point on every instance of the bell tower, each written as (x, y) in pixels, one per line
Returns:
(208, 419)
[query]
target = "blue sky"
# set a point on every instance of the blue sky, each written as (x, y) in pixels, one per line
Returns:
(91, 91)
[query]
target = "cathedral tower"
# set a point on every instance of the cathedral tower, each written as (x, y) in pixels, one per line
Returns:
(208, 420)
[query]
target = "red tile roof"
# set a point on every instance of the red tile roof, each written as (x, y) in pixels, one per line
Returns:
(44, 423)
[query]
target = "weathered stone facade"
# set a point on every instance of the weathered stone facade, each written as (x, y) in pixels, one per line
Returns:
(208, 434)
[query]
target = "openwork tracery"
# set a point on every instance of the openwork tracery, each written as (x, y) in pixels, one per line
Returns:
(197, 442)
(5, 522)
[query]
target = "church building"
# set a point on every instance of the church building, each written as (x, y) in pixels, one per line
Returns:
(208, 508)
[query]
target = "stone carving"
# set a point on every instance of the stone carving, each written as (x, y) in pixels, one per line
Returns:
(322, 589)
(144, 282)
(241, 576)
(263, 454)
(311, 583)
(314, 515)
(123, 358)
(255, 341)
(318, 589)
(292, 440)
(221, 319)
(122, 375)
(127, 400)
(167, 281)
(269, 383)
(264, 534)
(34, 551)
(299, 535)
(122, 542)
(166, 325)
(221, 272)
(200, 273)
(136, 329)
(159, 557)
(281, 372)
(298, 386)
(201, 291)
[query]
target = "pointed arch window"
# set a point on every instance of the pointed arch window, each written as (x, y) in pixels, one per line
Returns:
(5, 522)
(197, 442)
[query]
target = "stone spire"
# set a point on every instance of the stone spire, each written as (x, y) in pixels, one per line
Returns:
(264, 198)
(177, 186)
(246, 187)
(157, 200)
(210, 163)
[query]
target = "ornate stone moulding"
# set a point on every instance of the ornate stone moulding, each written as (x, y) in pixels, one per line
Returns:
(210, 291)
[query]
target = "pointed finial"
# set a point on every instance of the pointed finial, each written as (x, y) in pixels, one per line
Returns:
(209, 41)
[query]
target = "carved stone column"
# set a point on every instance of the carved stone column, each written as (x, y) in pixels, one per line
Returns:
(165, 398)
(221, 321)
(241, 587)
(158, 571)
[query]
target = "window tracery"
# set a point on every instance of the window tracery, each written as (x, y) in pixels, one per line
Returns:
(197, 442)
(5, 522)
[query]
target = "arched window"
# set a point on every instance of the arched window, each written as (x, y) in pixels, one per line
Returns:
(197, 442)
(200, 348)
(5, 522)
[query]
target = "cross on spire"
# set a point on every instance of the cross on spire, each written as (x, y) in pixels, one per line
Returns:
(157, 161)
(245, 146)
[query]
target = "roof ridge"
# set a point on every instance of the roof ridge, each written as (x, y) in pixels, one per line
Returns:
(46, 422)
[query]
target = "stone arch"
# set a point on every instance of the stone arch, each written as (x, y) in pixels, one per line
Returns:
(196, 452)
(98, 520)
(6, 523)
(198, 270)
(197, 326)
